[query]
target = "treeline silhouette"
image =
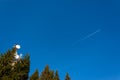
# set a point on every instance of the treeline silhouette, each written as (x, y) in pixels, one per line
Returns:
(18, 69)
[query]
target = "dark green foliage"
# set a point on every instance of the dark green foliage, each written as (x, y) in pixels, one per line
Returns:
(67, 77)
(35, 75)
(11, 69)
(47, 74)
(5, 64)
(56, 77)
(21, 69)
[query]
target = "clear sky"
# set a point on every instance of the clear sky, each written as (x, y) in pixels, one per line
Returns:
(81, 37)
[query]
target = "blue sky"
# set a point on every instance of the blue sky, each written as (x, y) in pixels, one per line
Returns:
(81, 37)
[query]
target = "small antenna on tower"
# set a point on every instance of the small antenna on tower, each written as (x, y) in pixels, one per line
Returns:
(16, 54)
(17, 46)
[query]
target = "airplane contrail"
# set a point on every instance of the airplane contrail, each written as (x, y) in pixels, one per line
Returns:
(88, 36)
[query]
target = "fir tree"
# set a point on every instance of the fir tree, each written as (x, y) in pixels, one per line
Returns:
(18, 69)
(45, 75)
(35, 75)
(5, 64)
(67, 77)
(56, 77)
(51, 75)
(11, 69)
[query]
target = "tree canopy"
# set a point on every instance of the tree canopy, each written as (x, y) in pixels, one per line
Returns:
(18, 69)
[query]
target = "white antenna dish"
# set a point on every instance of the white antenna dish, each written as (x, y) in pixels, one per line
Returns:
(17, 56)
(17, 46)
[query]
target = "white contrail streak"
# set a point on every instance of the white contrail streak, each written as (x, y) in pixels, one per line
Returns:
(88, 36)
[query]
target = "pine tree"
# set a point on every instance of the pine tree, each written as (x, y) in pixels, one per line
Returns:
(45, 75)
(67, 77)
(5, 64)
(35, 75)
(56, 77)
(51, 75)
(11, 69)
(21, 69)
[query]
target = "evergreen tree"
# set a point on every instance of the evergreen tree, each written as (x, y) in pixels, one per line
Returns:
(35, 75)
(18, 69)
(51, 75)
(21, 69)
(5, 64)
(11, 69)
(45, 75)
(67, 77)
(56, 77)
